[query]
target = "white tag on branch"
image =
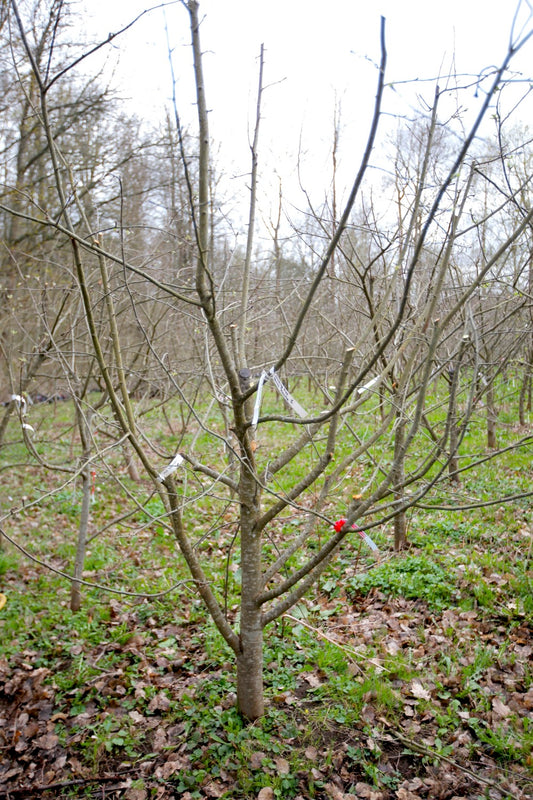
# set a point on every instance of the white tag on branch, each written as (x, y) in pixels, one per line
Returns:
(367, 386)
(284, 392)
(20, 402)
(282, 389)
(257, 407)
(170, 468)
(366, 538)
(28, 427)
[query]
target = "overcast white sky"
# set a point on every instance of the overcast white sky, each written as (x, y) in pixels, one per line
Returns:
(316, 52)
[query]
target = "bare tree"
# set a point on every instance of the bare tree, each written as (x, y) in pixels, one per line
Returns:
(262, 467)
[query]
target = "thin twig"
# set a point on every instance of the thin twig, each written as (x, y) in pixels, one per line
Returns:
(83, 582)
(26, 791)
(350, 651)
(427, 751)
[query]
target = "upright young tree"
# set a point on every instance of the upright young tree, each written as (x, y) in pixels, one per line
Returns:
(259, 467)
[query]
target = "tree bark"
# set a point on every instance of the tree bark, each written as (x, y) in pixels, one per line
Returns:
(250, 657)
(526, 377)
(75, 590)
(491, 417)
(400, 519)
(453, 463)
(250, 698)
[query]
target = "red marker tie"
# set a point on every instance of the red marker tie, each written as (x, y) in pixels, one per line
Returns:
(339, 525)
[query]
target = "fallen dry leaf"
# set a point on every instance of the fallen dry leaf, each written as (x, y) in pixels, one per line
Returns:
(136, 794)
(174, 764)
(311, 753)
(266, 793)
(418, 691)
(159, 703)
(256, 760)
(334, 792)
(415, 784)
(214, 789)
(405, 794)
(392, 647)
(160, 740)
(312, 679)
(499, 708)
(283, 765)
(364, 790)
(47, 742)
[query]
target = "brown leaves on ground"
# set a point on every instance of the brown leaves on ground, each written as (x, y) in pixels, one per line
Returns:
(455, 762)
(47, 737)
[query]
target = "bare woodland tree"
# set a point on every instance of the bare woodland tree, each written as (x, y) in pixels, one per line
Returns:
(410, 317)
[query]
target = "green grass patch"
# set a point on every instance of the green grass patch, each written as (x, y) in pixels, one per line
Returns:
(413, 577)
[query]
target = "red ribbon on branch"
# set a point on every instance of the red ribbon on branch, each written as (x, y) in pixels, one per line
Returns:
(339, 525)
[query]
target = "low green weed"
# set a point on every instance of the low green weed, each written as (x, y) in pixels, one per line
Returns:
(7, 561)
(67, 501)
(502, 741)
(413, 577)
(109, 734)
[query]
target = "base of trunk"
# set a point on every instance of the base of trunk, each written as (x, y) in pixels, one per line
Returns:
(250, 700)
(400, 531)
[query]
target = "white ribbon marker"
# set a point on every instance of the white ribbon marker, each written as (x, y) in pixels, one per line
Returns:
(366, 538)
(257, 407)
(282, 389)
(284, 392)
(367, 386)
(21, 403)
(170, 468)
(339, 525)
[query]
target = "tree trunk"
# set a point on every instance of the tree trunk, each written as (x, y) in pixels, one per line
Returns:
(131, 465)
(453, 463)
(75, 590)
(491, 417)
(250, 658)
(250, 667)
(522, 398)
(525, 388)
(84, 427)
(400, 519)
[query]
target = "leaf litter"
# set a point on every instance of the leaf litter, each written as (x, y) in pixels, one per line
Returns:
(445, 695)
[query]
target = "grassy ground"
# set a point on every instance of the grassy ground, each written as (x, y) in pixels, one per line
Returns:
(408, 678)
